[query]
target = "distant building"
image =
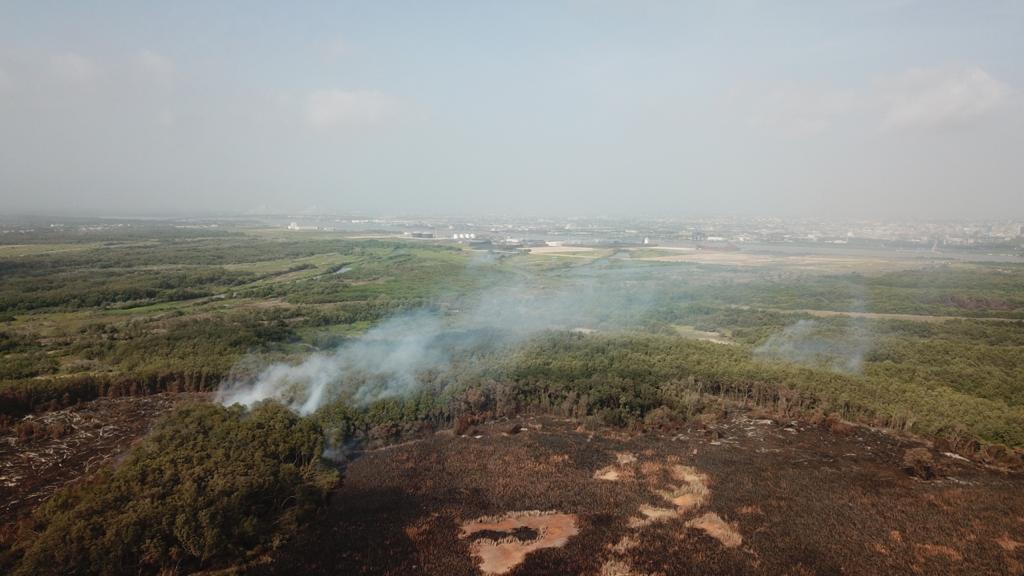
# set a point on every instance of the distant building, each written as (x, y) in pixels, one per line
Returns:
(698, 236)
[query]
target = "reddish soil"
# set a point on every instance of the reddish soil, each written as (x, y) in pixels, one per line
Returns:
(761, 498)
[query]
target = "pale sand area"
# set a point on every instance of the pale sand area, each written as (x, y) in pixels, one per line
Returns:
(501, 556)
(795, 261)
(560, 249)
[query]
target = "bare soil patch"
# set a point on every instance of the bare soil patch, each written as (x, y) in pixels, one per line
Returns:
(509, 538)
(718, 529)
(622, 469)
(610, 473)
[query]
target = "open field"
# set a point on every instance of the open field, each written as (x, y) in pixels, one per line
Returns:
(691, 332)
(644, 384)
(17, 250)
(796, 262)
(878, 315)
(824, 261)
(541, 250)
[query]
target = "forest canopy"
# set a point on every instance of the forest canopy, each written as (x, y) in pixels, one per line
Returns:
(209, 485)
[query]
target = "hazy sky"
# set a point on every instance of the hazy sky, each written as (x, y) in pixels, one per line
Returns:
(603, 107)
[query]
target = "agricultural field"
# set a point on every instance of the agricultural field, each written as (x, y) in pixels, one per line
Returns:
(422, 407)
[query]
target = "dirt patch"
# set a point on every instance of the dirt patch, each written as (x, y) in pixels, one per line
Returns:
(686, 489)
(651, 514)
(1007, 543)
(503, 542)
(624, 458)
(713, 525)
(610, 473)
(555, 458)
(689, 495)
(695, 334)
(937, 550)
(622, 468)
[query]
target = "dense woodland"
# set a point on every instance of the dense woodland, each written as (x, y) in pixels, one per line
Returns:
(127, 312)
(210, 485)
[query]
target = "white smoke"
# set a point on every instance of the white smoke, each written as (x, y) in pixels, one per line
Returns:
(841, 347)
(385, 361)
(808, 342)
(390, 358)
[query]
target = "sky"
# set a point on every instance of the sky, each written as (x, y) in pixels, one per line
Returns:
(874, 108)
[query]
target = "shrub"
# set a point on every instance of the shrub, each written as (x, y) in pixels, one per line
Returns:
(210, 486)
(662, 418)
(919, 462)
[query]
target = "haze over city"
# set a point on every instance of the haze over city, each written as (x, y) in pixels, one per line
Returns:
(903, 109)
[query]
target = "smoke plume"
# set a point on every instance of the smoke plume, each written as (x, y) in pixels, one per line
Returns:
(840, 346)
(390, 358)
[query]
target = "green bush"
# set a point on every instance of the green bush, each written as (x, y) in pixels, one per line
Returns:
(209, 487)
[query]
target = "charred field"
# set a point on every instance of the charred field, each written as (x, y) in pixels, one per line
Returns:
(744, 496)
(44, 452)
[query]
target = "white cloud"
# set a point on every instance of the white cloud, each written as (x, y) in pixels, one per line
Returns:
(917, 98)
(165, 118)
(803, 111)
(939, 96)
(332, 108)
(336, 48)
(73, 68)
(155, 67)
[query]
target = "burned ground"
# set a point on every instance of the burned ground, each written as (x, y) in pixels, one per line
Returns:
(782, 498)
(42, 453)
